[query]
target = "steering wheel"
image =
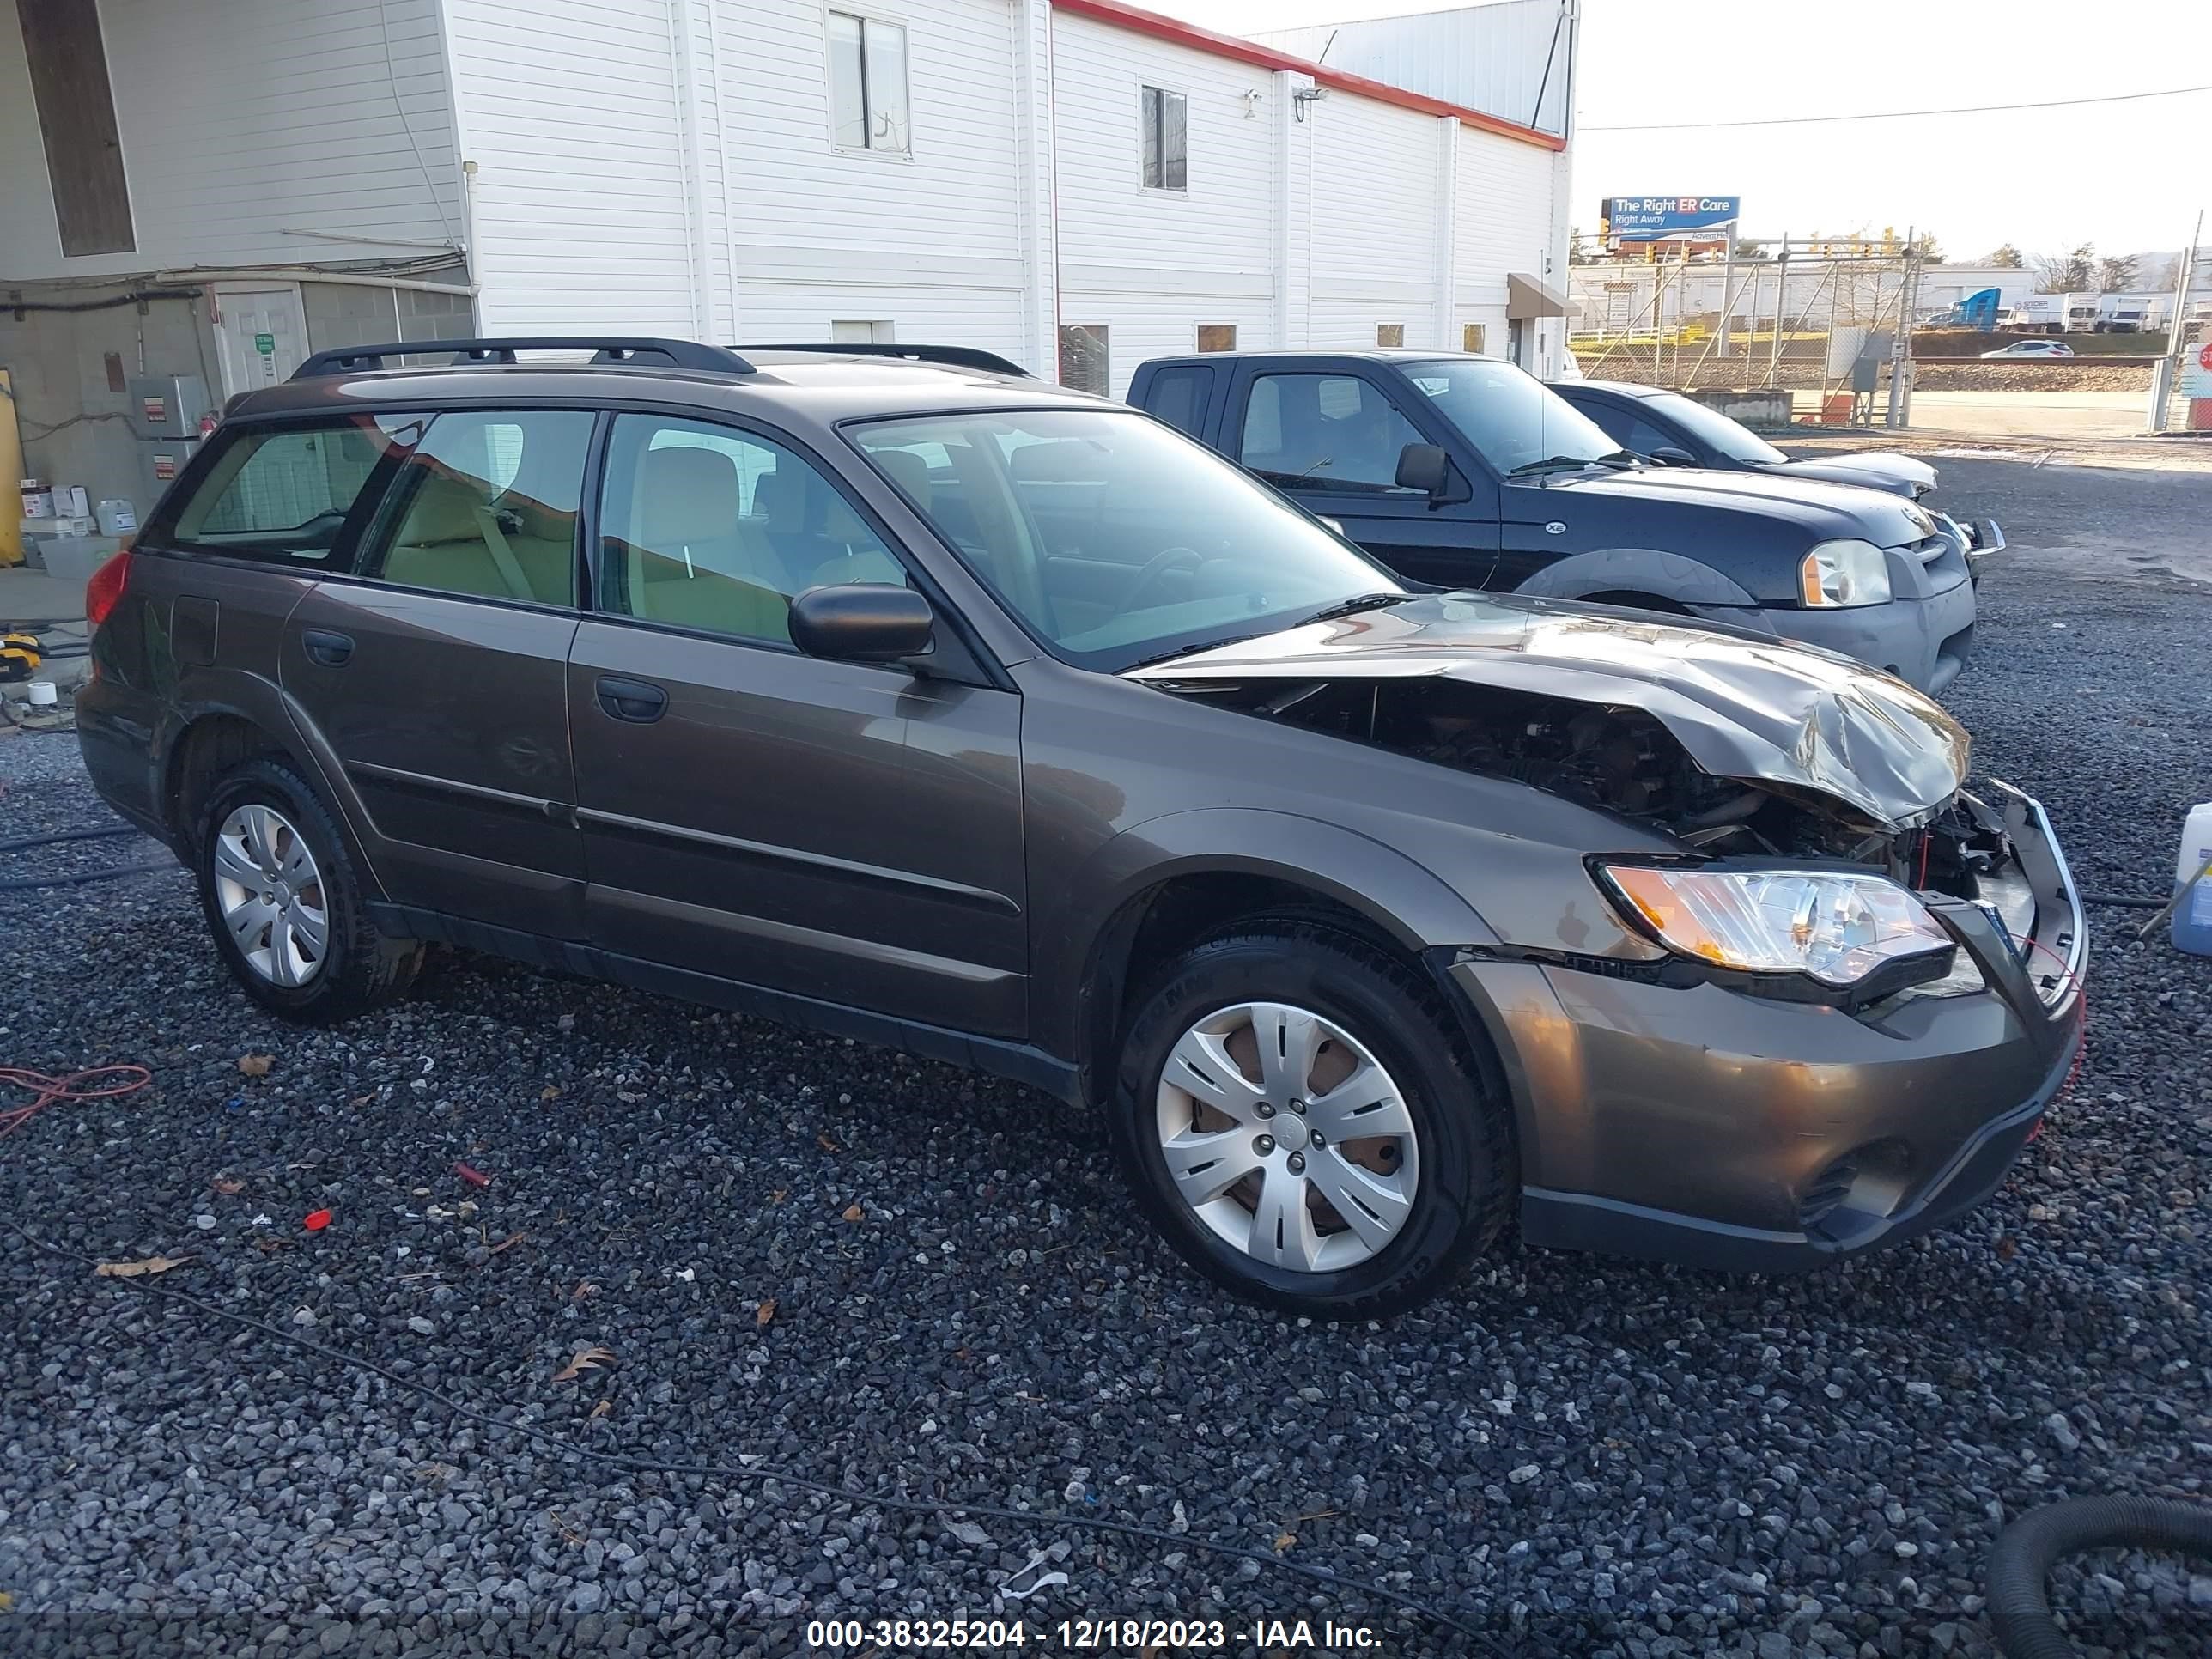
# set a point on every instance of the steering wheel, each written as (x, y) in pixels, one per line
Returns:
(1167, 559)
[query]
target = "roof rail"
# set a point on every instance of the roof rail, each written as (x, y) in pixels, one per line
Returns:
(606, 351)
(953, 357)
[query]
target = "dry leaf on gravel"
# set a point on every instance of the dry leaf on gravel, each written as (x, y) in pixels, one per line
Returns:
(585, 1359)
(854, 1212)
(508, 1243)
(1284, 1540)
(228, 1187)
(255, 1064)
(551, 1092)
(152, 1264)
(765, 1312)
(827, 1145)
(603, 1408)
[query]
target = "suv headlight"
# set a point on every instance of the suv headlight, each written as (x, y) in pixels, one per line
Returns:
(1833, 926)
(1838, 574)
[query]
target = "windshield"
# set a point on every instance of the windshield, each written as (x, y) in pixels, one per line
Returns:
(1513, 420)
(1116, 540)
(1734, 439)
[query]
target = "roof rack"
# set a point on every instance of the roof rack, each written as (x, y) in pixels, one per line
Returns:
(605, 351)
(954, 356)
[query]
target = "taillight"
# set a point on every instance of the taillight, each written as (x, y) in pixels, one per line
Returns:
(104, 590)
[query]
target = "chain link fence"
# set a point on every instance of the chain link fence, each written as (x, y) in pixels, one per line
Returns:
(1821, 328)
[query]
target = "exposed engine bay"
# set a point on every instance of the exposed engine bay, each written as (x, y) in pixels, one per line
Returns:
(1621, 759)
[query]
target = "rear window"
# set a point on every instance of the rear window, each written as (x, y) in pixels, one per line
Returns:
(286, 493)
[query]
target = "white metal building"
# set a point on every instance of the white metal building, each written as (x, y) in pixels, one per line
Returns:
(1077, 184)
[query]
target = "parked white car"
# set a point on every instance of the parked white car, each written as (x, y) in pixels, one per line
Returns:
(2032, 348)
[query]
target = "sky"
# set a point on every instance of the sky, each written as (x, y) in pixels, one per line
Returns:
(2125, 177)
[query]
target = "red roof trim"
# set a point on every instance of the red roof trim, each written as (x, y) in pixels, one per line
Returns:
(1122, 15)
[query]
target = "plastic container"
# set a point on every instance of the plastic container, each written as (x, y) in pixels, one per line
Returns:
(72, 559)
(41, 694)
(2193, 917)
(118, 518)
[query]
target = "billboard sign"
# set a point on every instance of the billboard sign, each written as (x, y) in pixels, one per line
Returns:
(1657, 218)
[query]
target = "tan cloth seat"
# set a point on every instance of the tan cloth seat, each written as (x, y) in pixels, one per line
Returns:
(695, 559)
(456, 538)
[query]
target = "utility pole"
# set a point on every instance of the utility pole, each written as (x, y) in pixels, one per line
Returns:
(2168, 372)
(1781, 298)
(1900, 348)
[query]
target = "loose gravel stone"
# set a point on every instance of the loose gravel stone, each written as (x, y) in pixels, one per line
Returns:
(1684, 1463)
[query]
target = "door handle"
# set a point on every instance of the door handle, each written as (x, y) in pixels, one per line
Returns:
(327, 646)
(632, 700)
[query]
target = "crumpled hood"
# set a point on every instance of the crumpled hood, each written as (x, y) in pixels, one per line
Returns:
(1876, 470)
(1743, 706)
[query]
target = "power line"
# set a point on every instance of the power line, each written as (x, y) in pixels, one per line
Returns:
(1901, 114)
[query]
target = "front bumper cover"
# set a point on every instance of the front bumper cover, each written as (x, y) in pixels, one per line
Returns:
(1697, 1124)
(1923, 641)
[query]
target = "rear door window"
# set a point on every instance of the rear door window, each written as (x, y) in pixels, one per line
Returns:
(1179, 397)
(285, 494)
(486, 505)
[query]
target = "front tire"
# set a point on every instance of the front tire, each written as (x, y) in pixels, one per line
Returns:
(282, 899)
(1298, 1118)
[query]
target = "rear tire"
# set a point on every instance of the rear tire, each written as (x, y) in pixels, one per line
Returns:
(283, 901)
(1434, 1196)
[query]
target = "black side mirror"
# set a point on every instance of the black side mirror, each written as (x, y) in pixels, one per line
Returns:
(1669, 455)
(862, 621)
(1428, 468)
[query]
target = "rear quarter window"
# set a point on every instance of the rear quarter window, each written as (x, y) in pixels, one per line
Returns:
(285, 494)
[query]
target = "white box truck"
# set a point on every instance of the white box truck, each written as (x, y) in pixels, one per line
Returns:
(2057, 313)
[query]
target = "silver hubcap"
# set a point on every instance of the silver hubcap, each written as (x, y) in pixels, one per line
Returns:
(1286, 1138)
(270, 895)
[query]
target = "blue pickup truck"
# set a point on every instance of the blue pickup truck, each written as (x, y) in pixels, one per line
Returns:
(1464, 471)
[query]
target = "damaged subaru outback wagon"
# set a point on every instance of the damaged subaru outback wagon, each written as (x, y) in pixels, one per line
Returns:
(903, 696)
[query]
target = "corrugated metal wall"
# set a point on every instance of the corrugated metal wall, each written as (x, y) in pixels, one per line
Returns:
(1489, 58)
(247, 127)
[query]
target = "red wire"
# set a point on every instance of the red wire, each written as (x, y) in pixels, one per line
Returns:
(49, 1090)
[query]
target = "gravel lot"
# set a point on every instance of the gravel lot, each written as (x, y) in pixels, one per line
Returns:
(887, 1274)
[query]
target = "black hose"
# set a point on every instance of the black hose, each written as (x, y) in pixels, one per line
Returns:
(101, 833)
(2021, 1558)
(82, 877)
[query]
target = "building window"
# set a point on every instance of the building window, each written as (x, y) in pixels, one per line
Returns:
(1389, 334)
(1165, 118)
(855, 332)
(1470, 337)
(868, 84)
(1082, 364)
(1217, 337)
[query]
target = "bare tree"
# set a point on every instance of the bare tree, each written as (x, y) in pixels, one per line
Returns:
(2074, 273)
(2115, 273)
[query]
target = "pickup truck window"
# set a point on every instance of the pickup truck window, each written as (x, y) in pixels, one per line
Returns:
(1328, 432)
(1114, 540)
(1179, 397)
(1512, 418)
(1729, 437)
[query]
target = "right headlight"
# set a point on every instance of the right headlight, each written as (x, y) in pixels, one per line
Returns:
(1835, 574)
(1834, 925)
